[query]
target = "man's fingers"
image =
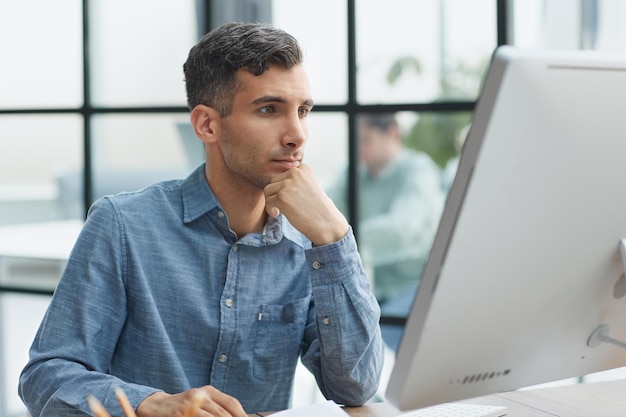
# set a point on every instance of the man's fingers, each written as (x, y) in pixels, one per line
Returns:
(271, 198)
(222, 405)
(198, 397)
(272, 211)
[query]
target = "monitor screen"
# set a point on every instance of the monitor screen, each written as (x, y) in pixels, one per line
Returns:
(526, 263)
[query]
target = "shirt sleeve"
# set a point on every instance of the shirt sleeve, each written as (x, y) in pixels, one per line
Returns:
(343, 345)
(73, 347)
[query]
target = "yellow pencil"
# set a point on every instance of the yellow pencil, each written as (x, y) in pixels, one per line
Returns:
(196, 403)
(124, 403)
(96, 407)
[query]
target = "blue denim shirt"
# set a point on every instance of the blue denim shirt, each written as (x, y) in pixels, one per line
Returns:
(159, 294)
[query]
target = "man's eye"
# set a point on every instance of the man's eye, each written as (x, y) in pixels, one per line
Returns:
(304, 112)
(267, 109)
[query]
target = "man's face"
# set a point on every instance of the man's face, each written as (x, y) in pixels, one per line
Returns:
(266, 131)
(374, 148)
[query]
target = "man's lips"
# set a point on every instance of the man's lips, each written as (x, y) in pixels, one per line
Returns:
(287, 163)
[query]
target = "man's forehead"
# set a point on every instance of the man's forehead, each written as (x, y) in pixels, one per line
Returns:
(275, 84)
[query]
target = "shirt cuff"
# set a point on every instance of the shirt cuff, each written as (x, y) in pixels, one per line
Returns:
(330, 264)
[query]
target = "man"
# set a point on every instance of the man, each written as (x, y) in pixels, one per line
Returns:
(400, 203)
(221, 281)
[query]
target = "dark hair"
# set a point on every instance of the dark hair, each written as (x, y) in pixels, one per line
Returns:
(213, 62)
(380, 121)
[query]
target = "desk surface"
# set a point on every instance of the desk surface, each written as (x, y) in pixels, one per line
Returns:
(32, 255)
(580, 400)
(46, 240)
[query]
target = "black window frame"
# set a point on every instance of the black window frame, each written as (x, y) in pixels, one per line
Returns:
(352, 108)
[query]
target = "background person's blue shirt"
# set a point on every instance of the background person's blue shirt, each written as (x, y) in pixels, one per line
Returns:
(159, 294)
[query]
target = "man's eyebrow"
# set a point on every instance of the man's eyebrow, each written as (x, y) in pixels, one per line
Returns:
(278, 99)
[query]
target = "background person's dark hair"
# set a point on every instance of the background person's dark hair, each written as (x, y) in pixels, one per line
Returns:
(213, 62)
(380, 121)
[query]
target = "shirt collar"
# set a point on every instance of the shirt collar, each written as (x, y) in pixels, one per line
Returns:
(198, 199)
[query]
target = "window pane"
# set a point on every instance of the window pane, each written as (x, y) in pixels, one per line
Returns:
(138, 49)
(131, 151)
(423, 51)
(41, 43)
(562, 24)
(35, 153)
(327, 146)
(321, 28)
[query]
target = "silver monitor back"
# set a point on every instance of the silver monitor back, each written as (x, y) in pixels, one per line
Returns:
(525, 264)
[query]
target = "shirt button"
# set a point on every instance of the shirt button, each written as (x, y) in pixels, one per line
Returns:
(326, 321)
(229, 302)
(235, 248)
(220, 214)
(317, 265)
(222, 358)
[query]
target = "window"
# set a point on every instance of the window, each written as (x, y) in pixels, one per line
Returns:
(374, 60)
(41, 56)
(78, 121)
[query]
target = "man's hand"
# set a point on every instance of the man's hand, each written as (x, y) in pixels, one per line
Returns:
(298, 195)
(206, 401)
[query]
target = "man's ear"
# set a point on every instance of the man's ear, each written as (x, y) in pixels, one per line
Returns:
(205, 121)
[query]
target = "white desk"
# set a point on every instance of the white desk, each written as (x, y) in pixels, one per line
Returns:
(32, 256)
(46, 240)
(599, 399)
(27, 203)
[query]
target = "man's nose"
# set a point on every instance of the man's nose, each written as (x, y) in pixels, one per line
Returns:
(295, 132)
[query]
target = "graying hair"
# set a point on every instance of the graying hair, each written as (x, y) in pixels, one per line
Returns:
(212, 64)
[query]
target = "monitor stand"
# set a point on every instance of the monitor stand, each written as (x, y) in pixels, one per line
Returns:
(602, 333)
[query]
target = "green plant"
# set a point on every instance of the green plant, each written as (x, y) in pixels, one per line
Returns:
(438, 133)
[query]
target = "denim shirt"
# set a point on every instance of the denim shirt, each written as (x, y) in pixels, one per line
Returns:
(159, 294)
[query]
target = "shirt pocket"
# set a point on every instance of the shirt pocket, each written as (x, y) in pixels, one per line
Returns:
(279, 333)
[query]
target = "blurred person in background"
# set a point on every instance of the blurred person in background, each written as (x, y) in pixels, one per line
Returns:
(400, 200)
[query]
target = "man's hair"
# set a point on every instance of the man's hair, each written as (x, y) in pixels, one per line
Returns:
(212, 64)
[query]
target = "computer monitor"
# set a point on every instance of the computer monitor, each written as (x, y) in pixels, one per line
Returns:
(526, 264)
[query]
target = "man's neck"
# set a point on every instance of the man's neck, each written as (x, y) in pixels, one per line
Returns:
(244, 206)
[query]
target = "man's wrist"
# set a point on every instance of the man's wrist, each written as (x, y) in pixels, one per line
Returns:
(150, 405)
